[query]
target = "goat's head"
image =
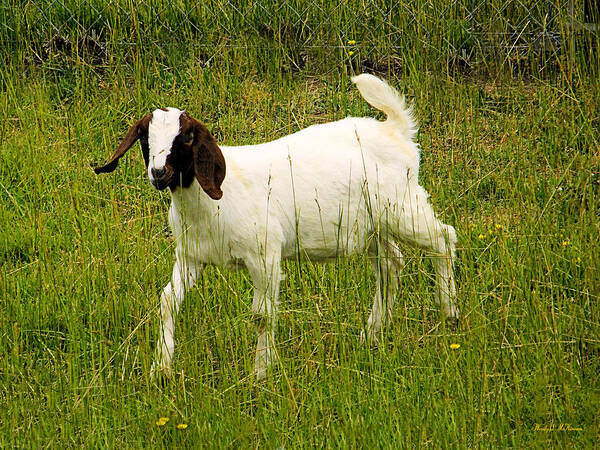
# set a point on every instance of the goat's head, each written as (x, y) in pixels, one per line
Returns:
(176, 149)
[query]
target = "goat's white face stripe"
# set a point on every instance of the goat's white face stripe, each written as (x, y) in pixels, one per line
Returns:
(163, 129)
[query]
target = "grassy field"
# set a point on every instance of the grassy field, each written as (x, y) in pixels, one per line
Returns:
(512, 164)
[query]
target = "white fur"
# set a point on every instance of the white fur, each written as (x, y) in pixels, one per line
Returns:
(331, 189)
(163, 129)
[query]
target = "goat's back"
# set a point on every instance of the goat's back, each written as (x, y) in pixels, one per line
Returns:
(321, 184)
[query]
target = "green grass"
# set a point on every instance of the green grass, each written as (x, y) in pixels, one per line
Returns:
(513, 165)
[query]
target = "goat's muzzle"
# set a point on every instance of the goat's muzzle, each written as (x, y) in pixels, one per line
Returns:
(161, 178)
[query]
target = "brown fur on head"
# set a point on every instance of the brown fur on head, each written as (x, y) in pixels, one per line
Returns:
(191, 152)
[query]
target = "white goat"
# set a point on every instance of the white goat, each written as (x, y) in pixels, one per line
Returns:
(329, 190)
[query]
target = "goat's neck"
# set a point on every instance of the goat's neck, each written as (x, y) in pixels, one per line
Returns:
(193, 202)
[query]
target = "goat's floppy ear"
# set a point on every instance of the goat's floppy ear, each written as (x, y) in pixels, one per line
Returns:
(209, 164)
(138, 131)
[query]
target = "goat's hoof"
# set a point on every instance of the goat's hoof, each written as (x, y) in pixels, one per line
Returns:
(452, 320)
(452, 313)
(263, 362)
(368, 337)
(261, 371)
(260, 374)
(160, 373)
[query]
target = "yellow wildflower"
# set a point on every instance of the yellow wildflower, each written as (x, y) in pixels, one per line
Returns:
(498, 227)
(161, 421)
(565, 242)
(351, 42)
(454, 346)
(350, 53)
(181, 426)
(578, 259)
(481, 236)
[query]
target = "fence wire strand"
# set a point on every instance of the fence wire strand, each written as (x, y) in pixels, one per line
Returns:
(465, 29)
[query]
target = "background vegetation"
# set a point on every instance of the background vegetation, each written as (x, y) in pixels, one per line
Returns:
(510, 156)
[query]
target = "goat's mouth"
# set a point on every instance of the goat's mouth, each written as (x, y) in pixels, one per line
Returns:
(161, 178)
(161, 184)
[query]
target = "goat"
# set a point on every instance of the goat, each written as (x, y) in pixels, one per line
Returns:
(330, 189)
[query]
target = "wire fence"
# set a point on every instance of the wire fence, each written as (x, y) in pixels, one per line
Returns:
(464, 32)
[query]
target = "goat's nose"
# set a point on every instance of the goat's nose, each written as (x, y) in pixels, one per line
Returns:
(158, 173)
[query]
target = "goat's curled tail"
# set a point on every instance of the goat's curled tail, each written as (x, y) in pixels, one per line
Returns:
(382, 96)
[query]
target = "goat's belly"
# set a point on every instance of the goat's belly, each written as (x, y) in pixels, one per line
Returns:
(325, 254)
(328, 232)
(328, 246)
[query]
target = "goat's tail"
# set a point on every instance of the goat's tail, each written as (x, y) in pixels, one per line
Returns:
(385, 98)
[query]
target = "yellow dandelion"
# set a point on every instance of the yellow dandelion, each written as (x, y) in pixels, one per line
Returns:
(351, 42)
(350, 53)
(181, 426)
(161, 421)
(454, 346)
(481, 236)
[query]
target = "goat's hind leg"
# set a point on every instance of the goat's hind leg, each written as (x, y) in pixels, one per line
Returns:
(387, 261)
(183, 279)
(418, 225)
(443, 261)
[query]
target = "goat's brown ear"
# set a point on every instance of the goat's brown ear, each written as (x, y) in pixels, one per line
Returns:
(209, 164)
(138, 131)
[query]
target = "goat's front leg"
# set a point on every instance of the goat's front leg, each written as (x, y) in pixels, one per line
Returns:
(184, 278)
(266, 277)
